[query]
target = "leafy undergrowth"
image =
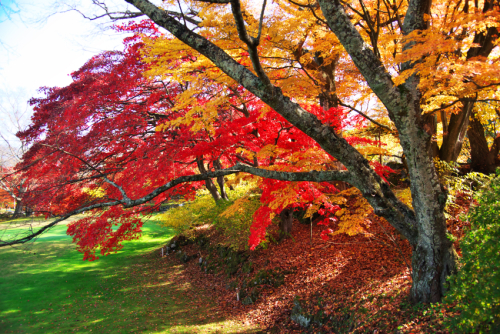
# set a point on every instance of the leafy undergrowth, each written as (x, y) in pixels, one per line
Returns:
(47, 288)
(303, 284)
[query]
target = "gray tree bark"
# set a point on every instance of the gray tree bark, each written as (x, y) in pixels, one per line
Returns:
(18, 210)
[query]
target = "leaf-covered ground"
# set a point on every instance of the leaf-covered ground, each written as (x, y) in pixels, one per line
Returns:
(347, 284)
(47, 288)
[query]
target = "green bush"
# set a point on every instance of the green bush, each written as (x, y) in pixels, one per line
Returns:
(232, 217)
(476, 287)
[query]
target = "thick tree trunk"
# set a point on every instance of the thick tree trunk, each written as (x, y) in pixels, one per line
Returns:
(433, 260)
(434, 257)
(286, 222)
(481, 159)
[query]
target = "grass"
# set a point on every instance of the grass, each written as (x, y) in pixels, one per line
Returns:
(47, 288)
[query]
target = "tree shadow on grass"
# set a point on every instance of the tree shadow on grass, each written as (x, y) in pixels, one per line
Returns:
(49, 289)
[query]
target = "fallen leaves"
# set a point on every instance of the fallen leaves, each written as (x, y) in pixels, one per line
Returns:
(345, 274)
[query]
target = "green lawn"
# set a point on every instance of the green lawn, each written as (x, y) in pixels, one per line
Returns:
(47, 288)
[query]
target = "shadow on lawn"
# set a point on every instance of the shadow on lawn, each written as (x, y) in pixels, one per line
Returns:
(47, 288)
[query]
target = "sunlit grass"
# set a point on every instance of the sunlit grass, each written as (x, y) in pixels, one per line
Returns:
(47, 288)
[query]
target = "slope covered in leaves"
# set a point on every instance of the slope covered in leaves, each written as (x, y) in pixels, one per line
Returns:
(346, 284)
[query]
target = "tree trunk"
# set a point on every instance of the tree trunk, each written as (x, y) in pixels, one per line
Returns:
(27, 211)
(18, 209)
(495, 149)
(286, 222)
(220, 181)
(481, 159)
(209, 184)
(430, 124)
(453, 138)
(433, 257)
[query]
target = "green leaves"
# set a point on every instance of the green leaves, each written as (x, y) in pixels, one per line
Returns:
(476, 288)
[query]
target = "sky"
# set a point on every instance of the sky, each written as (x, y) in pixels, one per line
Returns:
(39, 49)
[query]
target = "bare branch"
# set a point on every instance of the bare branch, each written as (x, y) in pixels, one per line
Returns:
(261, 20)
(251, 42)
(366, 116)
(180, 8)
(126, 199)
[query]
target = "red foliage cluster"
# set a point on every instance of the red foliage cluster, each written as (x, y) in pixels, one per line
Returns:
(94, 142)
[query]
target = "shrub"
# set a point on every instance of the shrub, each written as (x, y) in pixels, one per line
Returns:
(233, 217)
(476, 287)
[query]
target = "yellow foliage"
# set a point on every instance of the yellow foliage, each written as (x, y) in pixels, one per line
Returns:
(373, 150)
(236, 208)
(353, 217)
(94, 193)
(405, 196)
(233, 217)
(312, 210)
(285, 196)
(448, 73)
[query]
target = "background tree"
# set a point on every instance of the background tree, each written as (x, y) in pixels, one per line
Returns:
(456, 63)
(16, 118)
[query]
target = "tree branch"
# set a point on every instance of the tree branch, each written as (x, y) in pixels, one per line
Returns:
(251, 42)
(47, 227)
(261, 20)
(313, 176)
(370, 66)
(126, 199)
(366, 116)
